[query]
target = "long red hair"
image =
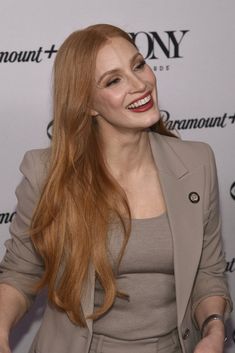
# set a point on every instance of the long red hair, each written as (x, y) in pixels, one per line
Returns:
(80, 198)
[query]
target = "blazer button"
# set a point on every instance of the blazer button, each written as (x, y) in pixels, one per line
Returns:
(186, 334)
(194, 197)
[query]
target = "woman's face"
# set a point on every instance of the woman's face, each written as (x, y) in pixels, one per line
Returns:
(124, 92)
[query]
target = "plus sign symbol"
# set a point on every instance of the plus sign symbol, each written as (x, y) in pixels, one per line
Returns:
(232, 118)
(50, 51)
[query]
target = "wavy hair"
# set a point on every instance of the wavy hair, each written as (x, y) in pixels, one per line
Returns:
(80, 198)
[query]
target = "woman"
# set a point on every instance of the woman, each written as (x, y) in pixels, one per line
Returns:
(119, 219)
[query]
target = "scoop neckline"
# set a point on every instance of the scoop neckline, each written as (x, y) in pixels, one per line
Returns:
(161, 215)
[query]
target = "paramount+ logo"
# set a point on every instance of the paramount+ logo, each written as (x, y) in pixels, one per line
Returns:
(154, 45)
(6, 217)
(219, 121)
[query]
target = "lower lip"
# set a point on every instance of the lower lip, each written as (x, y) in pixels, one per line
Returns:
(143, 108)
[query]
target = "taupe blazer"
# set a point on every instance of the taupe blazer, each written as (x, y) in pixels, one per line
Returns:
(189, 183)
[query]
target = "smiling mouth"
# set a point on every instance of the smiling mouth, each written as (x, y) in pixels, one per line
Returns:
(141, 102)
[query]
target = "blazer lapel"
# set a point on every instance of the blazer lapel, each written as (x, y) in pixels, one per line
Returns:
(185, 217)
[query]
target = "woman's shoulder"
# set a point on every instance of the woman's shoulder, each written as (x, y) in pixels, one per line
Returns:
(39, 156)
(193, 145)
(35, 164)
(189, 151)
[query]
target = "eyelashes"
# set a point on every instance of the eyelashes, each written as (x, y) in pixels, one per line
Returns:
(117, 79)
(112, 82)
(140, 65)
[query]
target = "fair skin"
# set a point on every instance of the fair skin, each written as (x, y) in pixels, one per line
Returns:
(213, 341)
(122, 78)
(13, 306)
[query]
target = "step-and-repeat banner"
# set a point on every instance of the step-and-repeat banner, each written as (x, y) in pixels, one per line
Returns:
(190, 45)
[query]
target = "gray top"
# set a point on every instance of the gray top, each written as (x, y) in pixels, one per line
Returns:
(146, 274)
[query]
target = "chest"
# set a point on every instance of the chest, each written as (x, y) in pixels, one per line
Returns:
(145, 196)
(149, 248)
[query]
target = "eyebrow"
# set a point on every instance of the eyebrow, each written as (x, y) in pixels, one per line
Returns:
(114, 71)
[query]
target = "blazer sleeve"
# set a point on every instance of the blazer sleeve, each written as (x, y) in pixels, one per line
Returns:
(211, 279)
(21, 266)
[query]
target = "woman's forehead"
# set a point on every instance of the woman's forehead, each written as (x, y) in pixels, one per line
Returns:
(115, 52)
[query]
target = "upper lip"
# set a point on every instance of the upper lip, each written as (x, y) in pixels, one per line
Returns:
(142, 97)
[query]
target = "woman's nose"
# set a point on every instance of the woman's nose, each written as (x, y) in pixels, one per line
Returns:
(136, 83)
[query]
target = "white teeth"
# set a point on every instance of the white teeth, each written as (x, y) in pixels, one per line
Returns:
(140, 102)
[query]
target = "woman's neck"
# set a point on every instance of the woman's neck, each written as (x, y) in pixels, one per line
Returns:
(128, 155)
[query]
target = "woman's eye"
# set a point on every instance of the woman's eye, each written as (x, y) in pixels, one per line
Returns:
(140, 65)
(112, 82)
